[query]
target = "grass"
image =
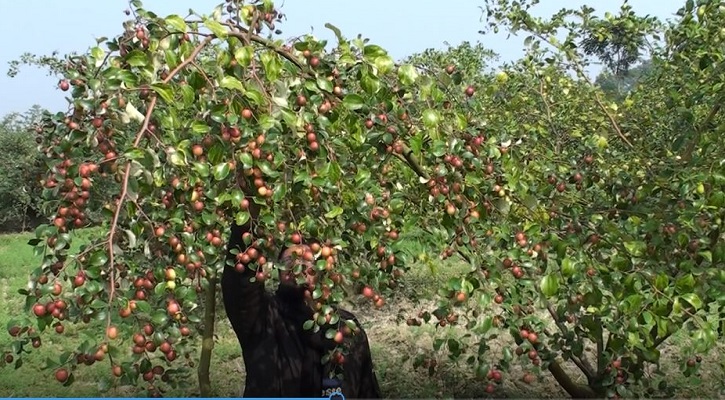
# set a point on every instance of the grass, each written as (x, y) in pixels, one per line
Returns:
(392, 343)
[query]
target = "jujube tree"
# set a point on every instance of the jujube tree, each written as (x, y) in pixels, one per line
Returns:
(578, 231)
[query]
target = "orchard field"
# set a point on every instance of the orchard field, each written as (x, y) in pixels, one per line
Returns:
(519, 231)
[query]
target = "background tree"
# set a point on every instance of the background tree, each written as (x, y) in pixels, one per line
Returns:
(617, 87)
(20, 170)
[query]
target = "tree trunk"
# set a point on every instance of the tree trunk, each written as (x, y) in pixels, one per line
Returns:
(575, 390)
(207, 342)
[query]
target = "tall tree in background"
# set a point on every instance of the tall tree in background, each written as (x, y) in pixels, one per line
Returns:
(617, 42)
(617, 86)
(20, 169)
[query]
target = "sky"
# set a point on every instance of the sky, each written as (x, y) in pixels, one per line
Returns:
(403, 27)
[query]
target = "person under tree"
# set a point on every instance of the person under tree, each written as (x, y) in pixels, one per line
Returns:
(281, 358)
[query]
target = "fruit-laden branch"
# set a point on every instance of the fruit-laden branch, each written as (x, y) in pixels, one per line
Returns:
(245, 35)
(574, 389)
(127, 171)
(119, 207)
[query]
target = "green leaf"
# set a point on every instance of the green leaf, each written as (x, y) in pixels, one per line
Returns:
(567, 267)
(230, 82)
(164, 91)
(549, 285)
(242, 217)
(200, 127)
(431, 118)
(353, 102)
(407, 74)
(324, 84)
(384, 64)
(336, 30)
(308, 324)
(636, 249)
(216, 28)
(176, 22)
(177, 158)
(693, 299)
(267, 170)
(246, 159)
(221, 171)
(244, 55)
(374, 51)
(271, 64)
(334, 212)
(99, 258)
(137, 58)
(201, 168)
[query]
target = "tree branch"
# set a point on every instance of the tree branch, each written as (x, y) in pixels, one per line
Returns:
(244, 36)
(598, 100)
(601, 365)
(691, 146)
(574, 389)
(582, 363)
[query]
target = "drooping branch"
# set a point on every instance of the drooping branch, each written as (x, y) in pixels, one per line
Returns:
(119, 206)
(127, 171)
(242, 35)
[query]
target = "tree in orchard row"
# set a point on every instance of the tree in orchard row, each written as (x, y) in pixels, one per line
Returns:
(621, 205)
(549, 206)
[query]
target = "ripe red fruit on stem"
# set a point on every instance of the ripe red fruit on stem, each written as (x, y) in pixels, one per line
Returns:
(61, 375)
(39, 310)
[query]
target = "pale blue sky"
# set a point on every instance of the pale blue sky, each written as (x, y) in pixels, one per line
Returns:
(402, 27)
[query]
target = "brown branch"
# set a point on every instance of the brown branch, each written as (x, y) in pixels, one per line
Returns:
(600, 349)
(121, 198)
(614, 123)
(241, 35)
(574, 389)
(413, 162)
(190, 59)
